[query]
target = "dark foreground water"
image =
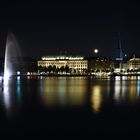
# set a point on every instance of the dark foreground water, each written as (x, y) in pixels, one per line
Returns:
(70, 105)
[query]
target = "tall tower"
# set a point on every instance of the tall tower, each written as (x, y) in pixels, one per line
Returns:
(121, 55)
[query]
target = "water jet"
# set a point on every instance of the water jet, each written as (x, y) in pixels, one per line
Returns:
(12, 56)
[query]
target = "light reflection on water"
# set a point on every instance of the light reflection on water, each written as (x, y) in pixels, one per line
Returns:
(19, 89)
(63, 91)
(11, 96)
(6, 97)
(96, 98)
(127, 90)
(82, 92)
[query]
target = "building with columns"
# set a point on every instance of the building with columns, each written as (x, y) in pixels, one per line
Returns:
(74, 63)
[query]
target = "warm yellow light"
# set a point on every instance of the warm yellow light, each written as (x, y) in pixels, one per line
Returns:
(66, 92)
(96, 99)
(62, 58)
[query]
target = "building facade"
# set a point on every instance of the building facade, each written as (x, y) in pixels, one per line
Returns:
(134, 63)
(101, 64)
(77, 63)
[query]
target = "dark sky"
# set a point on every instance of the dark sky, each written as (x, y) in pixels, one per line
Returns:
(75, 27)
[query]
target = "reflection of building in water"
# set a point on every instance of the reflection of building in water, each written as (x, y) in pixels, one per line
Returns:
(77, 91)
(120, 90)
(126, 90)
(117, 90)
(48, 90)
(18, 89)
(138, 87)
(96, 98)
(64, 91)
(133, 91)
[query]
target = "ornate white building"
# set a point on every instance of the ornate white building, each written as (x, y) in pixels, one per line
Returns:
(73, 62)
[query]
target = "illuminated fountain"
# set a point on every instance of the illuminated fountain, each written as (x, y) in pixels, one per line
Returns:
(12, 55)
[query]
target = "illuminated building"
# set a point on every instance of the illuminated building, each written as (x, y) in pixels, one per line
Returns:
(102, 64)
(77, 63)
(134, 63)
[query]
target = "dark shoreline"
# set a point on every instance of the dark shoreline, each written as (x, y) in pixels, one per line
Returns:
(86, 75)
(74, 75)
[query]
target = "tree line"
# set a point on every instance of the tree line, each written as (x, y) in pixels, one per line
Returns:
(54, 69)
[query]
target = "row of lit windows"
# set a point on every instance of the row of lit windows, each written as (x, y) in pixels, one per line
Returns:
(63, 65)
(77, 62)
(77, 65)
(63, 62)
(135, 63)
(59, 63)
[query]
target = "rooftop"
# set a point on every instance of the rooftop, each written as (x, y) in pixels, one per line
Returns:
(62, 57)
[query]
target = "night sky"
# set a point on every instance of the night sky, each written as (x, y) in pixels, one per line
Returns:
(72, 27)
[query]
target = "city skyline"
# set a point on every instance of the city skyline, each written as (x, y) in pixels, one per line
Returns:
(70, 68)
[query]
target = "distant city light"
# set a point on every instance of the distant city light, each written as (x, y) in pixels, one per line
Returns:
(18, 78)
(62, 58)
(28, 73)
(18, 72)
(96, 51)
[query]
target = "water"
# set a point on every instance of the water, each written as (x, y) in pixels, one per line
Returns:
(12, 57)
(70, 105)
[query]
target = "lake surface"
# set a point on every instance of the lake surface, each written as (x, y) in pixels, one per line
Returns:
(70, 105)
